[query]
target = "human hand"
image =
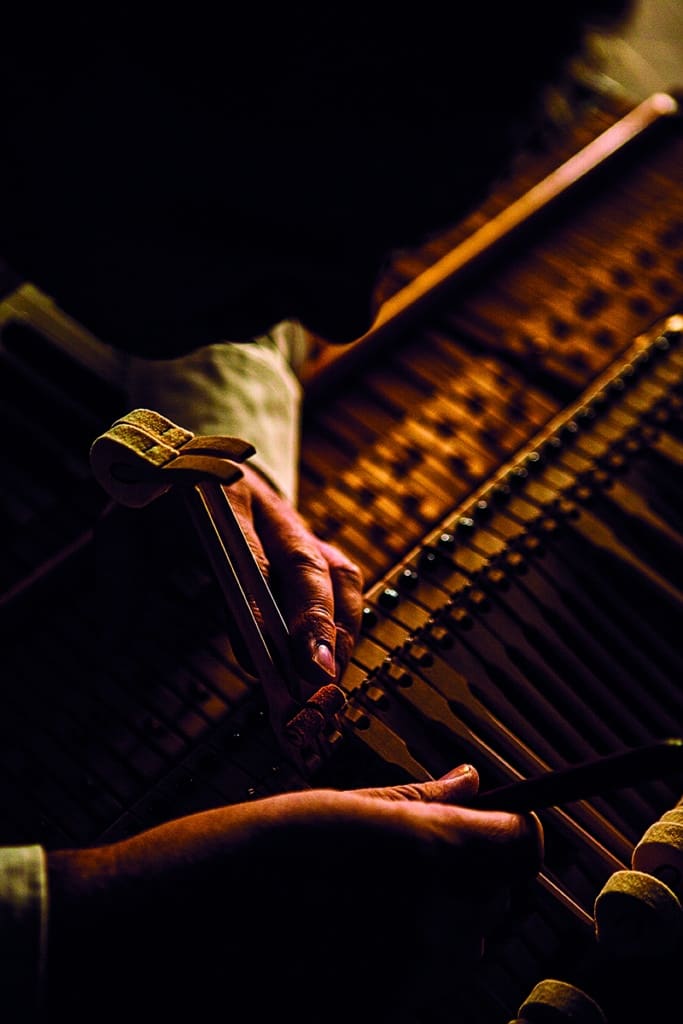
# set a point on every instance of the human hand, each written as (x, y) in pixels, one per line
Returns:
(250, 390)
(308, 906)
(318, 588)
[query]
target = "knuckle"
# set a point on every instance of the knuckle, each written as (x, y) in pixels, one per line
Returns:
(308, 562)
(351, 574)
(317, 612)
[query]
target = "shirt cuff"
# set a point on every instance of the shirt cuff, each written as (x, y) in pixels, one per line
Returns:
(247, 390)
(23, 929)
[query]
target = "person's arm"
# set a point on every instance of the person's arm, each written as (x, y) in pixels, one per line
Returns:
(314, 906)
(23, 930)
(250, 390)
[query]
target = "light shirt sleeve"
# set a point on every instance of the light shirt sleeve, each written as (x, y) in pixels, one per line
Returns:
(23, 931)
(248, 390)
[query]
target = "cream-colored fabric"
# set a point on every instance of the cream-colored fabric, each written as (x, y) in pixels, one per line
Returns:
(23, 931)
(247, 390)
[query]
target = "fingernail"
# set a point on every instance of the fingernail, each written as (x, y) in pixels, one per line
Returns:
(457, 773)
(323, 657)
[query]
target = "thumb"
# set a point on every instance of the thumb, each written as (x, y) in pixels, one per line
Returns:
(458, 786)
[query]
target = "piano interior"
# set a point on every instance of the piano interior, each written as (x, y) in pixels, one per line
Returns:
(502, 458)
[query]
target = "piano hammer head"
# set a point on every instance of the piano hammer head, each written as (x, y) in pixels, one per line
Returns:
(144, 454)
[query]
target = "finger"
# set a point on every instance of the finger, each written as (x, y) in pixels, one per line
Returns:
(240, 499)
(347, 591)
(457, 786)
(302, 579)
(503, 846)
(497, 844)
